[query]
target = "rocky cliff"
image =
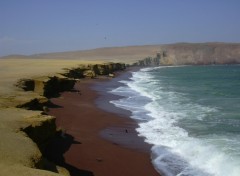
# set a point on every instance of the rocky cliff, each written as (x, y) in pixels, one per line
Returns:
(25, 127)
(194, 54)
(93, 70)
(20, 155)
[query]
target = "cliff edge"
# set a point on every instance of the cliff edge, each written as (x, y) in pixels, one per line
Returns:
(194, 54)
(25, 128)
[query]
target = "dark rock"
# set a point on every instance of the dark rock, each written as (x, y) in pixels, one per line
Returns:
(51, 86)
(26, 84)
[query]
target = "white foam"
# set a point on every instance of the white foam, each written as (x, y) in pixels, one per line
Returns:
(175, 152)
(123, 91)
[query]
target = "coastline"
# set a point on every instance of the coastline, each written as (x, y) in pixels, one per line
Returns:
(98, 142)
(132, 140)
(26, 81)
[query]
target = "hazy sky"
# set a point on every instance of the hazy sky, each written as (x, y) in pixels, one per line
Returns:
(37, 26)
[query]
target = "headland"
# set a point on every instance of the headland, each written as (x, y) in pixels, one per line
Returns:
(29, 118)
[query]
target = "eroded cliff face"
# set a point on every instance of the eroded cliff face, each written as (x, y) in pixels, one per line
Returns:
(26, 127)
(194, 54)
(44, 87)
(93, 70)
(19, 155)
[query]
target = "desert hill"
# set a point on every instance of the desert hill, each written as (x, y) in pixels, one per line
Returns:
(174, 54)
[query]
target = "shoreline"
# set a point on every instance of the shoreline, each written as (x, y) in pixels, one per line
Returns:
(25, 82)
(131, 140)
(103, 102)
(98, 142)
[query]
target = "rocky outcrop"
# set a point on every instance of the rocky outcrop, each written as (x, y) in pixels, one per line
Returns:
(194, 54)
(51, 86)
(26, 133)
(152, 61)
(19, 154)
(34, 103)
(41, 130)
(25, 84)
(93, 70)
(43, 87)
(26, 129)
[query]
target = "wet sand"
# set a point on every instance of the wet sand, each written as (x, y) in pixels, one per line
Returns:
(99, 138)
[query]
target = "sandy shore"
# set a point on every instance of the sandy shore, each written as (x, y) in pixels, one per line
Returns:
(97, 142)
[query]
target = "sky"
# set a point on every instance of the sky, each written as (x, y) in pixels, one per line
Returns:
(43, 26)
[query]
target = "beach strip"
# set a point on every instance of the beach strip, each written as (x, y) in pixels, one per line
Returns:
(94, 141)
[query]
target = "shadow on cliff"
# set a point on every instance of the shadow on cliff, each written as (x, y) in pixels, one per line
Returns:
(55, 150)
(52, 105)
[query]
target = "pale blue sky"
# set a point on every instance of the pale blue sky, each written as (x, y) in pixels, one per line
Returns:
(40, 26)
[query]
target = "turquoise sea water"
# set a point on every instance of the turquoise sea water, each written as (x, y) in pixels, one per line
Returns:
(191, 115)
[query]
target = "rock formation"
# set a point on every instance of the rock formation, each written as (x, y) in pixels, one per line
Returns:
(92, 70)
(194, 54)
(25, 128)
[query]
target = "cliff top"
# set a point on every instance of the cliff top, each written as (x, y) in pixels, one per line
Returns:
(18, 153)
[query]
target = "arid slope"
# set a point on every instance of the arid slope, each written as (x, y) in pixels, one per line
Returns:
(176, 54)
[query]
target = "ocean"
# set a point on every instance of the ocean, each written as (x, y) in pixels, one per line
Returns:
(191, 116)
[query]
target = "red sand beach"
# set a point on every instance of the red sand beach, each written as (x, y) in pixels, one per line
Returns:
(96, 142)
